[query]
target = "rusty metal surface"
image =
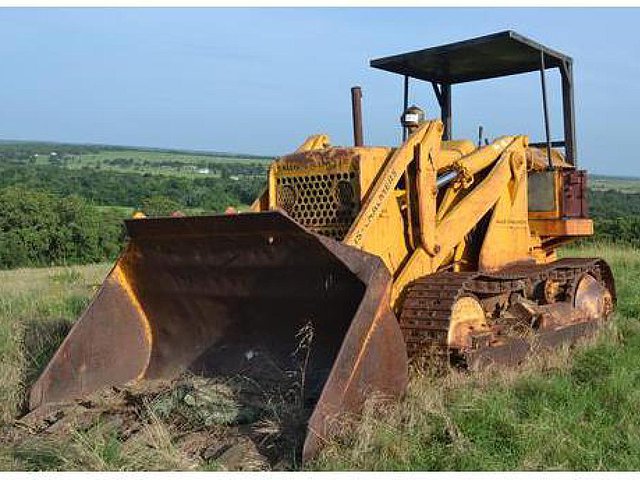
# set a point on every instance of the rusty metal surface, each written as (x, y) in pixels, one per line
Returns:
(320, 189)
(372, 358)
(516, 350)
(541, 193)
(425, 317)
(592, 298)
(356, 112)
(107, 346)
(208, 294)
(426, 310)
(574, 194)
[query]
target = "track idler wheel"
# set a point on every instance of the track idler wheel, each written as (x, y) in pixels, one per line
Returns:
(592, 298)
(467, 321)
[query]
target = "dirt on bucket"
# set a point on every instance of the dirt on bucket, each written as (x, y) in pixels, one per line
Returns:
(254, 421)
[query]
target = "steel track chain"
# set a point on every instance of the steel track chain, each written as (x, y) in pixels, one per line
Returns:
(426, 309)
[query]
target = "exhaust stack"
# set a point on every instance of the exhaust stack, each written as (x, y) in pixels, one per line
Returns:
(356, 111)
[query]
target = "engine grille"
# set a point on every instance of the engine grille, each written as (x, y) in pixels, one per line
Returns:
(326, 204)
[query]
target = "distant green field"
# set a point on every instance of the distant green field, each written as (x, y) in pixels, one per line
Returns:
(620, 184)
(162, 156)
(124, 212)
(192, 164)
(181, 164)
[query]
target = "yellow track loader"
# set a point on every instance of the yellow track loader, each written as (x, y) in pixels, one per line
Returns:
(388, 253)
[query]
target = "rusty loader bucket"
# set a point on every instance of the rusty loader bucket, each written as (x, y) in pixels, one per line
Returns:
(213, 295)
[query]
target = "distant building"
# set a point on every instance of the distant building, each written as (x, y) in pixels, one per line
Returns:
(204, 171)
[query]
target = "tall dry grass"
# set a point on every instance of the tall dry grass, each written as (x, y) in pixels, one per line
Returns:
(37, 307)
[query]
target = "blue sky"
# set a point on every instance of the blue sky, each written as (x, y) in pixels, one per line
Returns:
(260, 80)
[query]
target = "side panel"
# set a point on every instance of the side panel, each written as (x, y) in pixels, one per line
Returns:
(507, 238)
(543, 194)
(574, 194)
(558, 210)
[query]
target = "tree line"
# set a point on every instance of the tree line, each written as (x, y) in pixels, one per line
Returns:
(41, 229)
(50, 216)
(616, 216)
(131, 189)
(54, 216)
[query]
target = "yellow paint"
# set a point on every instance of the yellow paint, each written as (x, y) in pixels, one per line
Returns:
(427, 137)
(417, 230)
(507, 237)
(458, 256)
(121, 278)
(371, 161)
(315, 142)
(561, 227)
(271, 179)
(390, 247)
(466, 213)
(427, 198)
(470, 166)
(262, 202)
(418, 264)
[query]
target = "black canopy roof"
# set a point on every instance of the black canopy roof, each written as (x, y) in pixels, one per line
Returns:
(500, 54)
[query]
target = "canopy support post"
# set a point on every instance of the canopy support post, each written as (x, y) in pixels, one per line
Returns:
(443, 95)
(545, 106)
(568, 112)
(405, 105)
